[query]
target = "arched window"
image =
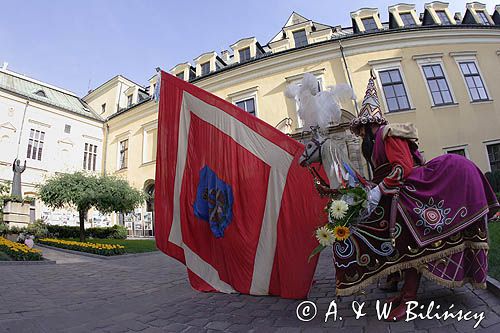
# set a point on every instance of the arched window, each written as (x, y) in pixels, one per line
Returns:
(150, 201)
(41, 93)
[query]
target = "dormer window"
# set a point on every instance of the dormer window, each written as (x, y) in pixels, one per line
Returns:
(129, 100)
(244, 54)
(180, 75)
(41, 93)
(369, 24)
(205, 68)
(443, 17)
(407, 19)
(483, 17)
(300, 38)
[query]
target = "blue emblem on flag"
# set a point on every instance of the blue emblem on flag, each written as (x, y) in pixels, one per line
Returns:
(214, 201)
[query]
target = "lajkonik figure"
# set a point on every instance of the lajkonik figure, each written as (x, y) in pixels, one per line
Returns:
(16, 180)
(426, 218)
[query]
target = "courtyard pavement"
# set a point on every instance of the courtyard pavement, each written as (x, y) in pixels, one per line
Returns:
(150, 293)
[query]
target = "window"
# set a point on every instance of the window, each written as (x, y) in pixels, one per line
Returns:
(460, 152)
(443, 17)
(103, 108)
(89, 157)
(41, 93)
(473, 80)
(438, 86)
(205, 68)
(244, 54)
(35, 145)
(129, 100)
(394, 90)
(408, 20)
(483, 17)
(180, 76)
(248, 105)
(369, 24)
(149, 142)
(494, 156)
(300, 38)
(67, 129)
(123, 154)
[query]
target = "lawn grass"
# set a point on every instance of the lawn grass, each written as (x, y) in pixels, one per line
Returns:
(494, 253)
(131, 245)
(4, 257)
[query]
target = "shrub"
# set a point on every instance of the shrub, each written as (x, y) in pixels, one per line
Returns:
(15, 230)
(119, 232)
(3, 229)
(37, 229)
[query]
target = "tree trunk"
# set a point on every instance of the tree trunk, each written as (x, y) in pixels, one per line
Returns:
(82, 214)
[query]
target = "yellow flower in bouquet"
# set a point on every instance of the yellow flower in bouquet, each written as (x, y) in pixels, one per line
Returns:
(341, 233)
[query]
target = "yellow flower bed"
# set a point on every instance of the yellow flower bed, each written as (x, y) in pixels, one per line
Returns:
(96, 248)
(19, 251)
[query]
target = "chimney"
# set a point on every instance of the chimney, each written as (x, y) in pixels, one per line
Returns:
(5, 64)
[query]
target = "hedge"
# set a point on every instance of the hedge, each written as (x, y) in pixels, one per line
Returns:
(62, 231)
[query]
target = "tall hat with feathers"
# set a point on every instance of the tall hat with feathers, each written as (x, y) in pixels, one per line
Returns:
(370, 112)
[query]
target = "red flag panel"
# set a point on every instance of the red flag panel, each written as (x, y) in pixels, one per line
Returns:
(232, 203)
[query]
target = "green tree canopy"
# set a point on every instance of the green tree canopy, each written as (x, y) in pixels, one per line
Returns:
(84, 191)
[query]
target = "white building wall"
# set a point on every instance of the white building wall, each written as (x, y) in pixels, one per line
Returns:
(62, 152)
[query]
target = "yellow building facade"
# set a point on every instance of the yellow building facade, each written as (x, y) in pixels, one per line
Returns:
(434, 69)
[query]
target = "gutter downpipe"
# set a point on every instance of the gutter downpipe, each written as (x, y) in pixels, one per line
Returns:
(106, 134)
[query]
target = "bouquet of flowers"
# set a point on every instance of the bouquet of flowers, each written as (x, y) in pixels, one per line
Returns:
(347, 207)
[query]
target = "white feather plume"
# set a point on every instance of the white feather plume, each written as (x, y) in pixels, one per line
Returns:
(319, 108)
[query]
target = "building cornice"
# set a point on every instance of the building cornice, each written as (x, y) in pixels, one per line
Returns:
(123, 119)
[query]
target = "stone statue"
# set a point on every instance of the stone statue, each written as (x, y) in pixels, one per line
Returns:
(16, 181)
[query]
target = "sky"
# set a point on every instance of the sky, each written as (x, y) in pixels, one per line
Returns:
(78, 45)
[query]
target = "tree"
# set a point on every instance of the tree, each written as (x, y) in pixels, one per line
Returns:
(83, 191)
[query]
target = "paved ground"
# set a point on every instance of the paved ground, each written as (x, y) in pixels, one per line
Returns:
(61, 257)
(150, 294)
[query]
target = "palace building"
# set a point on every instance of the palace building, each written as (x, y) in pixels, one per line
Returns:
(54, 131)
(434, 68)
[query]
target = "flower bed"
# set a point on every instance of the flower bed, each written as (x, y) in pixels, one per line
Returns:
(19, 252)
(101, 249)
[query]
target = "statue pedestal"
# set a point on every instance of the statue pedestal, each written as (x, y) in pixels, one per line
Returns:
(16, 214)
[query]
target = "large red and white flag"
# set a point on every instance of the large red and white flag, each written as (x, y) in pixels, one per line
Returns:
(231, 201)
